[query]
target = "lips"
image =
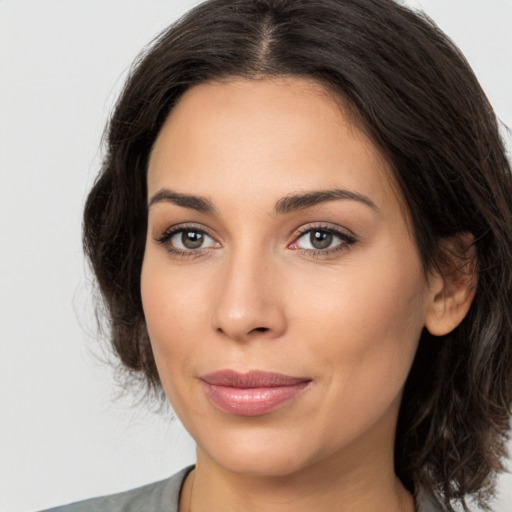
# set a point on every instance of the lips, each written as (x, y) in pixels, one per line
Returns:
(251, 394)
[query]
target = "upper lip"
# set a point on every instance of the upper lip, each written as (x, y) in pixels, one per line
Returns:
(251, 379)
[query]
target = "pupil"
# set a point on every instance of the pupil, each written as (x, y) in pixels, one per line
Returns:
(320, 239)
(192, 239)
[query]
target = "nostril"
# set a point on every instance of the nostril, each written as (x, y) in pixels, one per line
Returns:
(260, 329)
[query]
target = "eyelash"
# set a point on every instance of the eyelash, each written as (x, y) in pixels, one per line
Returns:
(346, 239)
(165, 238)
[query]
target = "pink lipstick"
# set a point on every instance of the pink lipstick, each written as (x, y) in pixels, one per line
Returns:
(253, 393)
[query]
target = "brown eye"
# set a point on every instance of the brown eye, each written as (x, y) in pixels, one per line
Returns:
(320, 239)
(192, 239)
(189, 240)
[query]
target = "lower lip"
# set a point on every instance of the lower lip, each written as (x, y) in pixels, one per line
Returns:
(251, 401)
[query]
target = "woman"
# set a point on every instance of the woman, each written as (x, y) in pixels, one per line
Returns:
(302, 232)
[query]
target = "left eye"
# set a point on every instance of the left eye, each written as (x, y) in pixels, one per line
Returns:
(319, 239)
(190, 239)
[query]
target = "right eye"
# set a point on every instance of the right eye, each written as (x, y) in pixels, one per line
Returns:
(187, 240)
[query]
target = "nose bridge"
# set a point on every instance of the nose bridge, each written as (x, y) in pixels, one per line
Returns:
(248, 302)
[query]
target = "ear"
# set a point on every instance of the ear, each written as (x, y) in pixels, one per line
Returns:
(452, 285)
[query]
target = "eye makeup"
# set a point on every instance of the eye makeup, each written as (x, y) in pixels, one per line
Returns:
(322, 240)
(317, 240)
(187, 241)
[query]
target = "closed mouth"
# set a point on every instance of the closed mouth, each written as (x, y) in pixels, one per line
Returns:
(253, 393)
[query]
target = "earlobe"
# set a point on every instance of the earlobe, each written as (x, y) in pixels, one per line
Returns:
(452, 285)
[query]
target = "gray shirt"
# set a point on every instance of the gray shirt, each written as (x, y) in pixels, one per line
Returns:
(164, 497)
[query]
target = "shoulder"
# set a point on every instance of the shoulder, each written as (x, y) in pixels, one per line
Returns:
(426, 502)
(155, 497)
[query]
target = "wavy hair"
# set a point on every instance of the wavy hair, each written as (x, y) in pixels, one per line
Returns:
(416, 97)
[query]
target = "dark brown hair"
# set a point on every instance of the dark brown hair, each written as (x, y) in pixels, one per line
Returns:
(418, 100)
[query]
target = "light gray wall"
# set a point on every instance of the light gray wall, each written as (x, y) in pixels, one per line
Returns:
(63, 436)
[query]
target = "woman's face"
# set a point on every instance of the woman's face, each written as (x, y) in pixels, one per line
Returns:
(277, 244)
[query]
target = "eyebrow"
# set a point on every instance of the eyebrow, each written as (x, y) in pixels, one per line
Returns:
(286, 204)
(307, 200)
(201, 204)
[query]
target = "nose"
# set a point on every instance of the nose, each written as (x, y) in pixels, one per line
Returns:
(249, 304)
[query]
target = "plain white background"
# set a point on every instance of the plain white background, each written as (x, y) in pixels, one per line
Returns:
(63, 434)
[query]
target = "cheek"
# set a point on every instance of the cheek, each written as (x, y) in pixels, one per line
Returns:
(175, 312)
(365, 324)
(174, 300)
(171, 318)
(365, 338)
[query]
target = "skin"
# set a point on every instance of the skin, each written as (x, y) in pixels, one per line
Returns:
(257, 295)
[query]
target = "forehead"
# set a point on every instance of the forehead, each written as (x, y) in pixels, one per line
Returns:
(265, 137)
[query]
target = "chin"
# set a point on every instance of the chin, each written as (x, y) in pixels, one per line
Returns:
(257, 455)
(262, 466)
